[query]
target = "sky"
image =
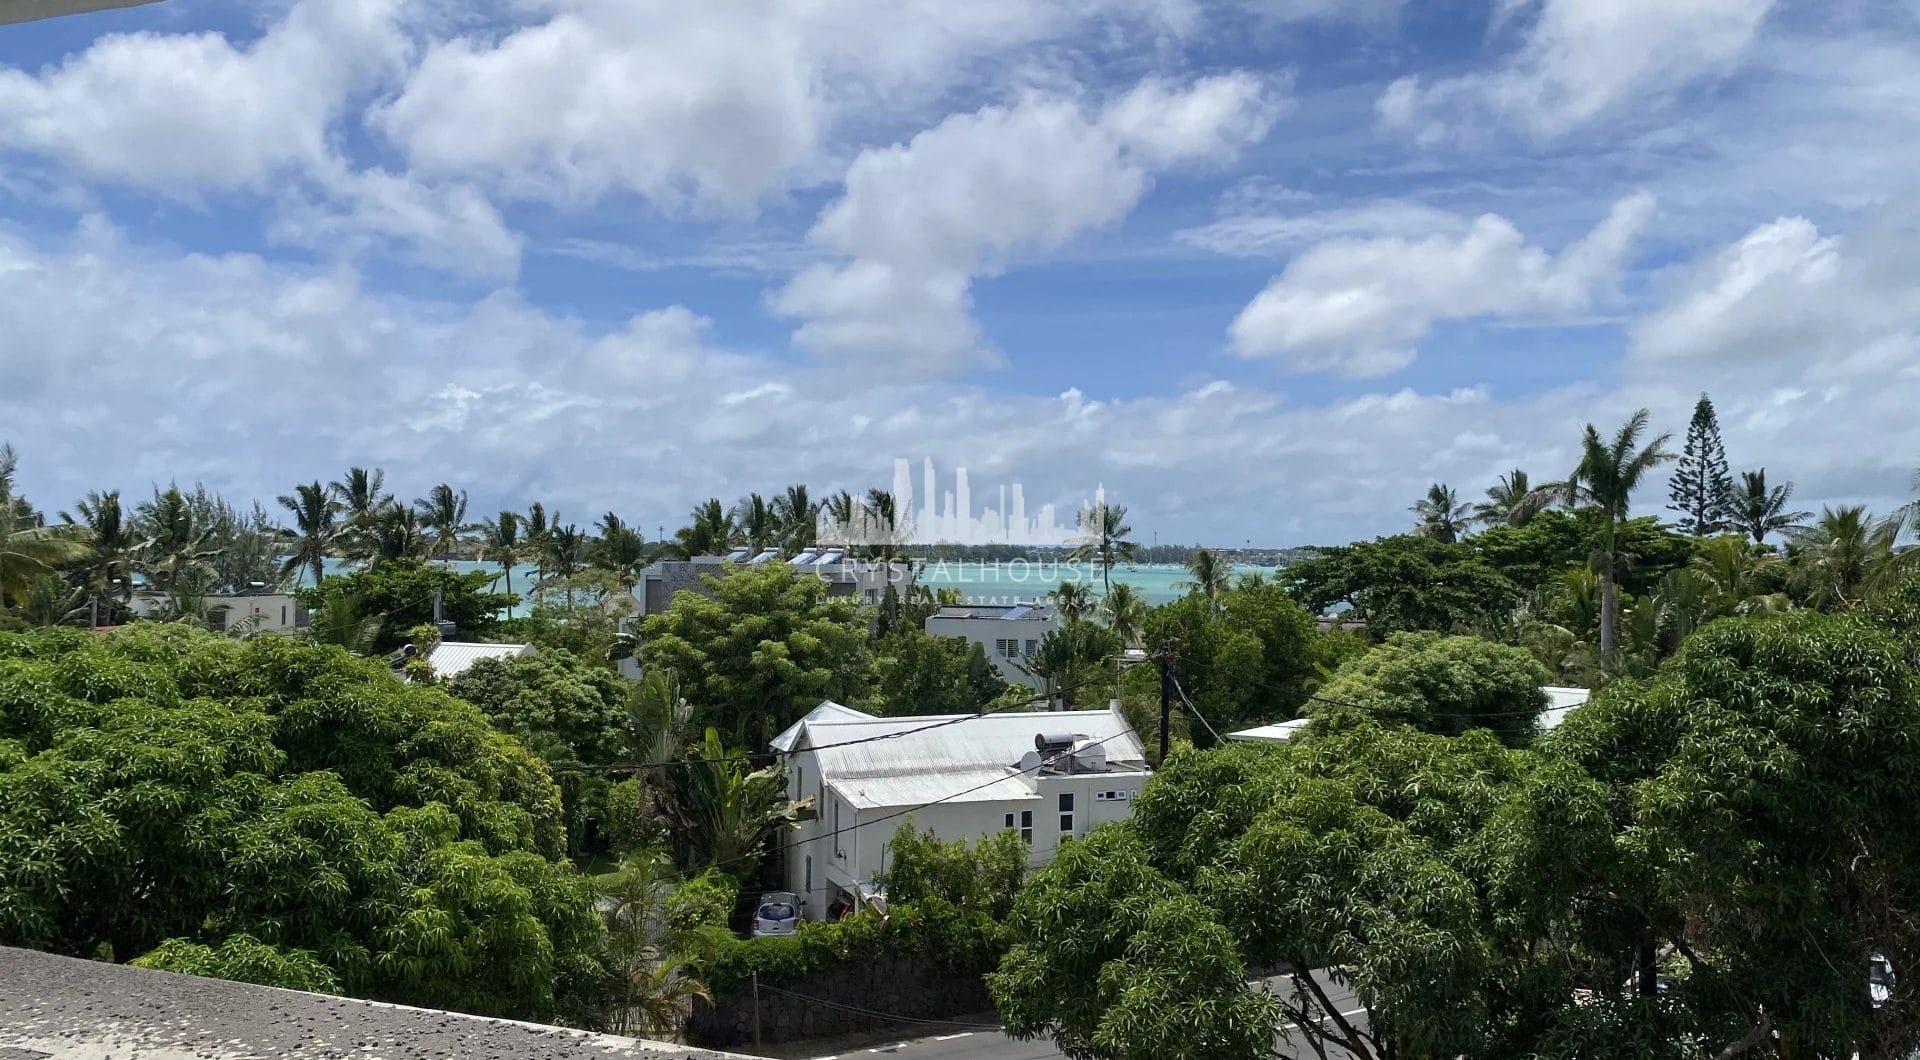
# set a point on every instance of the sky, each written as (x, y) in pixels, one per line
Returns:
(1261, 269)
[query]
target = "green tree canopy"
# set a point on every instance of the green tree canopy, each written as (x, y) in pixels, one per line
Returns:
(1440, 684)
(401, 591)
(766, 648)
(1410, 582)
(159, 783)
(1250, 659)
(915, 673)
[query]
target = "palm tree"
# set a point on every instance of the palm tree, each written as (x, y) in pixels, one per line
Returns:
(49, 601)
(654, 981)
(563, 554)
(1607, 475)
(343, 620)
(757, 522)
(839, 508)
(315, 528)
(1759, 511)
(711, 532)
(28, 550)
(1210, 574)
(1739, 581)
(618, 548)
(885, 529)
(1844, 557)
(1126, 612)
(1073, 600)
(102, 527)
(397, 535)
(1069, 659)
(443, 511)
(726, 812)
(1513, 501)
(1440, 515)
(362, 496)
(500, 542)
(1104, 537)
(534, 528)
(174, 547)
(798, 517)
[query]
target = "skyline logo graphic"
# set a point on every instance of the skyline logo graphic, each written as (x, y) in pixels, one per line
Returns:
(952, 522)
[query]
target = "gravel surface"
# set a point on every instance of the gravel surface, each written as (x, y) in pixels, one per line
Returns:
(62, 1008)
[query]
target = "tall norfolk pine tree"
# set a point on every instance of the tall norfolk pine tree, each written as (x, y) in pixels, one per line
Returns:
(1702, 483)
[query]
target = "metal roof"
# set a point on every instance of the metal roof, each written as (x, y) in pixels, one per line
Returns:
(903, 762)
(1560, 703)
(64, 1008)
(453, 657)
(826, 711)
(1279, 733)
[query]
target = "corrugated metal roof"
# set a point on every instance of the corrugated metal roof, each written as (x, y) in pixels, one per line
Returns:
(906, 763)
(826, 711)
(453, 657)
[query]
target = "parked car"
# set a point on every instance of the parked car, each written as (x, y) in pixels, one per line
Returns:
(777, 914)
(1880, 979)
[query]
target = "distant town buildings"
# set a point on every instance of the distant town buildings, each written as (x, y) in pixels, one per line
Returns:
(1008, 634)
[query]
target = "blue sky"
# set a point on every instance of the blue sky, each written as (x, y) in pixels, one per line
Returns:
(1260, 269)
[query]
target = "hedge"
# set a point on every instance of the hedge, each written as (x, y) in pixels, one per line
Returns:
(968, 941)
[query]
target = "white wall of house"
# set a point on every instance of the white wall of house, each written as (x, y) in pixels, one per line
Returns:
(1006, 641)
(266, 613)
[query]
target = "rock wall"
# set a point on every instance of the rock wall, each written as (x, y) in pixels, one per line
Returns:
(841, 1000)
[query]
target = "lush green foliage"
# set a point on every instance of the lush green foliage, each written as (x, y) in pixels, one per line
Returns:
(1251, 658)
(1738, 823)
(983, 877)
(243, 959)
(967, 941)
(914, 673)
(159, 783)
(1408, 582)
(1440, 684)
(402, 591)
(767, 648)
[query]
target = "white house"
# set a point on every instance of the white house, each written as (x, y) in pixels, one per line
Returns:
(1560, 703)
(262, 612)
(1008, 633)
(1051, 776)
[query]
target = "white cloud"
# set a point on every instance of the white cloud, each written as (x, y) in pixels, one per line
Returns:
(678, 104)
(184, 114)
(1580, 60)
(445, 226)
(1358, 307)
(1786, 291)
(1261, 232)
(919, 220)
(253, 376)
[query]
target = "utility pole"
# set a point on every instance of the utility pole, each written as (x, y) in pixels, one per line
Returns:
(756, 1010)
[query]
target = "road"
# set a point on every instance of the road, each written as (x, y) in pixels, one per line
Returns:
(992, 1045)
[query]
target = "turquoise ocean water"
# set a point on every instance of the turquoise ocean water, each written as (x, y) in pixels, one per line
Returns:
(978, 582)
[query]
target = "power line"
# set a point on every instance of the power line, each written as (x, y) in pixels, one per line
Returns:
(1217, 738)
(636, 767)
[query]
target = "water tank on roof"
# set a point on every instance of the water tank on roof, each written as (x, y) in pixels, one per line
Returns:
(1053, 743)
(1089, 756)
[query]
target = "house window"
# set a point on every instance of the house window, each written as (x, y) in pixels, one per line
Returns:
(1026, 826)
(1006, 648)
(1009, 822)
(1066, 811)
(283, 614)
(1028, 648)
(808, 888)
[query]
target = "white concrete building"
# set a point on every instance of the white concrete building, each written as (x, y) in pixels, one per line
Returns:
(1052, 776)
(1008, 633)
(251, 613)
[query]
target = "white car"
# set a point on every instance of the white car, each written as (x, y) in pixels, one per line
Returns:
(1880, 979)
(777, 914)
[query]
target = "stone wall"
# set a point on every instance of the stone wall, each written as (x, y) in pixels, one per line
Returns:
(911, 985)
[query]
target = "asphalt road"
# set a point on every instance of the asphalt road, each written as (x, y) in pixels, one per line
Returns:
(992, 1045)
